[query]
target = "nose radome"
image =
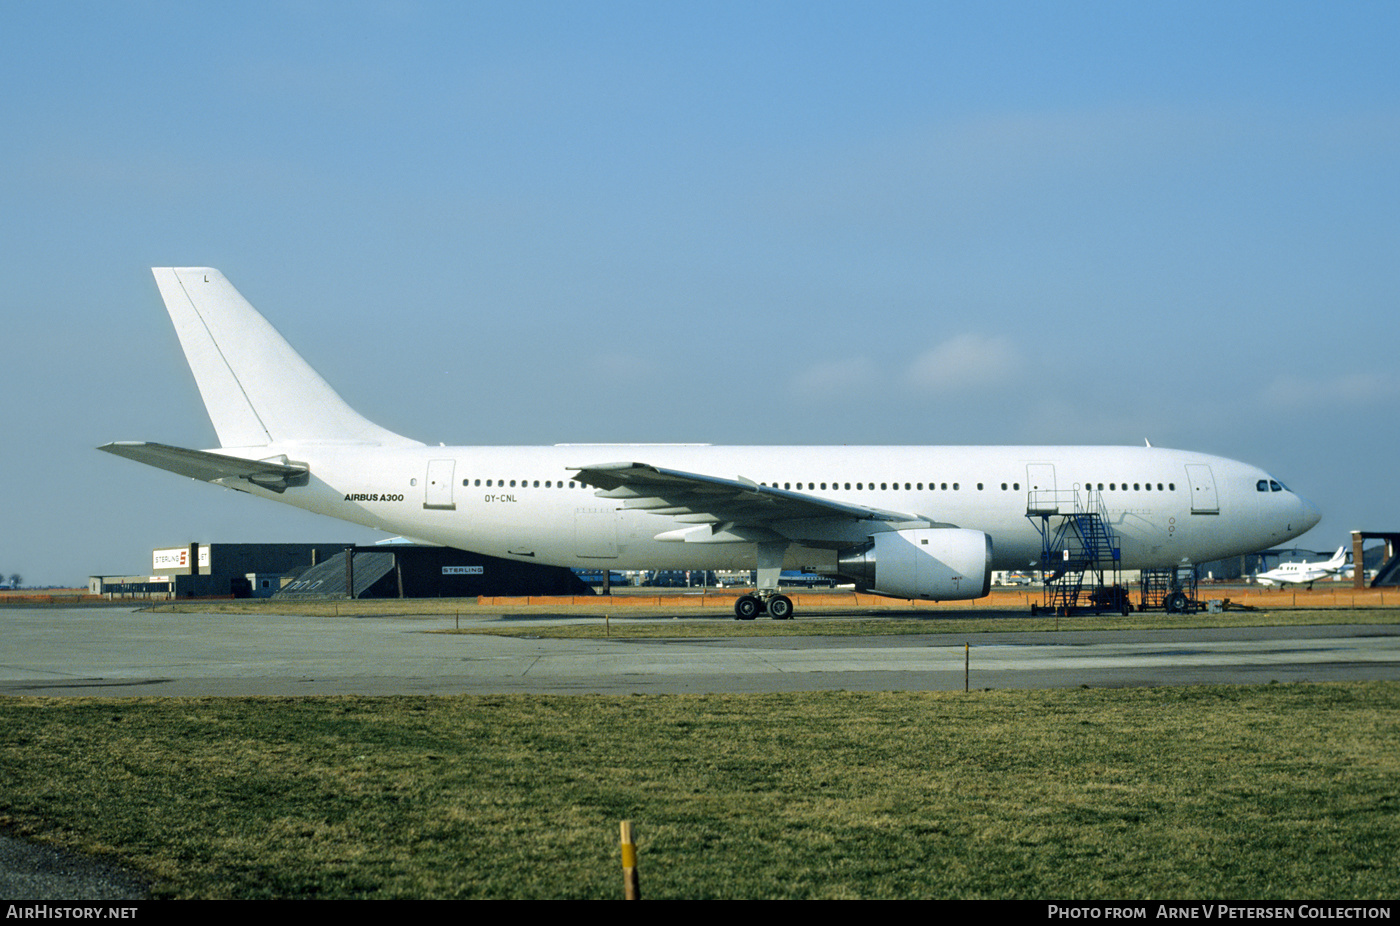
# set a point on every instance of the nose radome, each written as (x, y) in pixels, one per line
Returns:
(1311, 514)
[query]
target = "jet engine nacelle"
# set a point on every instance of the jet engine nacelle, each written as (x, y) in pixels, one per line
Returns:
(938, 563)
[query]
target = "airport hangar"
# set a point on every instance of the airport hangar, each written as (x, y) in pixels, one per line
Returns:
(333, 570)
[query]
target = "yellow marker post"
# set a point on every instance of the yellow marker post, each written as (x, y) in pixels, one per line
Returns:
(631, 885)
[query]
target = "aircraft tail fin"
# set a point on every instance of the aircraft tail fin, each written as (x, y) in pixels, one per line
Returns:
(256, 388)
(1340, 557)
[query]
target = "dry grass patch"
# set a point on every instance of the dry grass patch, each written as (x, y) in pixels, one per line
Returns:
(981, 621)
(601, 619)
(1221, 792)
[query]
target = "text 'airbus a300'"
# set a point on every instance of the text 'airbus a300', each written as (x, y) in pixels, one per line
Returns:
(908, 522)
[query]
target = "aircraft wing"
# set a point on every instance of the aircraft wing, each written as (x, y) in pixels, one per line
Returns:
(212, 467)
(727, 510)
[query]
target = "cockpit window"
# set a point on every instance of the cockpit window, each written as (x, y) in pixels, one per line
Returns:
(1270, 485)
(1262, 485)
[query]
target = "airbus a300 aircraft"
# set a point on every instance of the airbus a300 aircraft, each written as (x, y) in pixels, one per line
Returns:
(908, 522)
(1305, 573)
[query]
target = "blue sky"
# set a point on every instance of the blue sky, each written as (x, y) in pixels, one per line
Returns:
(743, 223)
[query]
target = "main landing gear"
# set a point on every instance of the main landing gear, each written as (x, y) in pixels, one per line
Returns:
(778, 607)
(767, 599)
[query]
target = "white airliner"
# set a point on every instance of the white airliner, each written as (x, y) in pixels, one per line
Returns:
(1305, 573)
(908, 522)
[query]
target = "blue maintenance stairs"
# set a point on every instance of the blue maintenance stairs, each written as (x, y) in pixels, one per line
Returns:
(1080, 557)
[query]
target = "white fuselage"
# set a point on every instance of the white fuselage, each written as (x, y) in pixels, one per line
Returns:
(1167, 507)
(916, 522)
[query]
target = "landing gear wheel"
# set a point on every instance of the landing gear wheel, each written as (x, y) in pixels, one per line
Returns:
(780, 608)
(1177, 603)
(747, 608)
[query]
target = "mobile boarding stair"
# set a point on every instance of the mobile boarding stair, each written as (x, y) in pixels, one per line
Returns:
(1174, 590)
(1080, 558)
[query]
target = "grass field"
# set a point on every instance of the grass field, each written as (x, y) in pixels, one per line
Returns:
(985, 621)
(602, 618)
(1282, 791)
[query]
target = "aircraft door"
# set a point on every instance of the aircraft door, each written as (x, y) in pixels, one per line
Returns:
(595, 533)
(1204, 499)
(1040, 488)
(437, 487)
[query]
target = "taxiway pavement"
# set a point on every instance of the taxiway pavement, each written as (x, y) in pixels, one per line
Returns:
(117, 653)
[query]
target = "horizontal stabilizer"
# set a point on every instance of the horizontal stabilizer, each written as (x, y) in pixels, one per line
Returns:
(212, 467)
